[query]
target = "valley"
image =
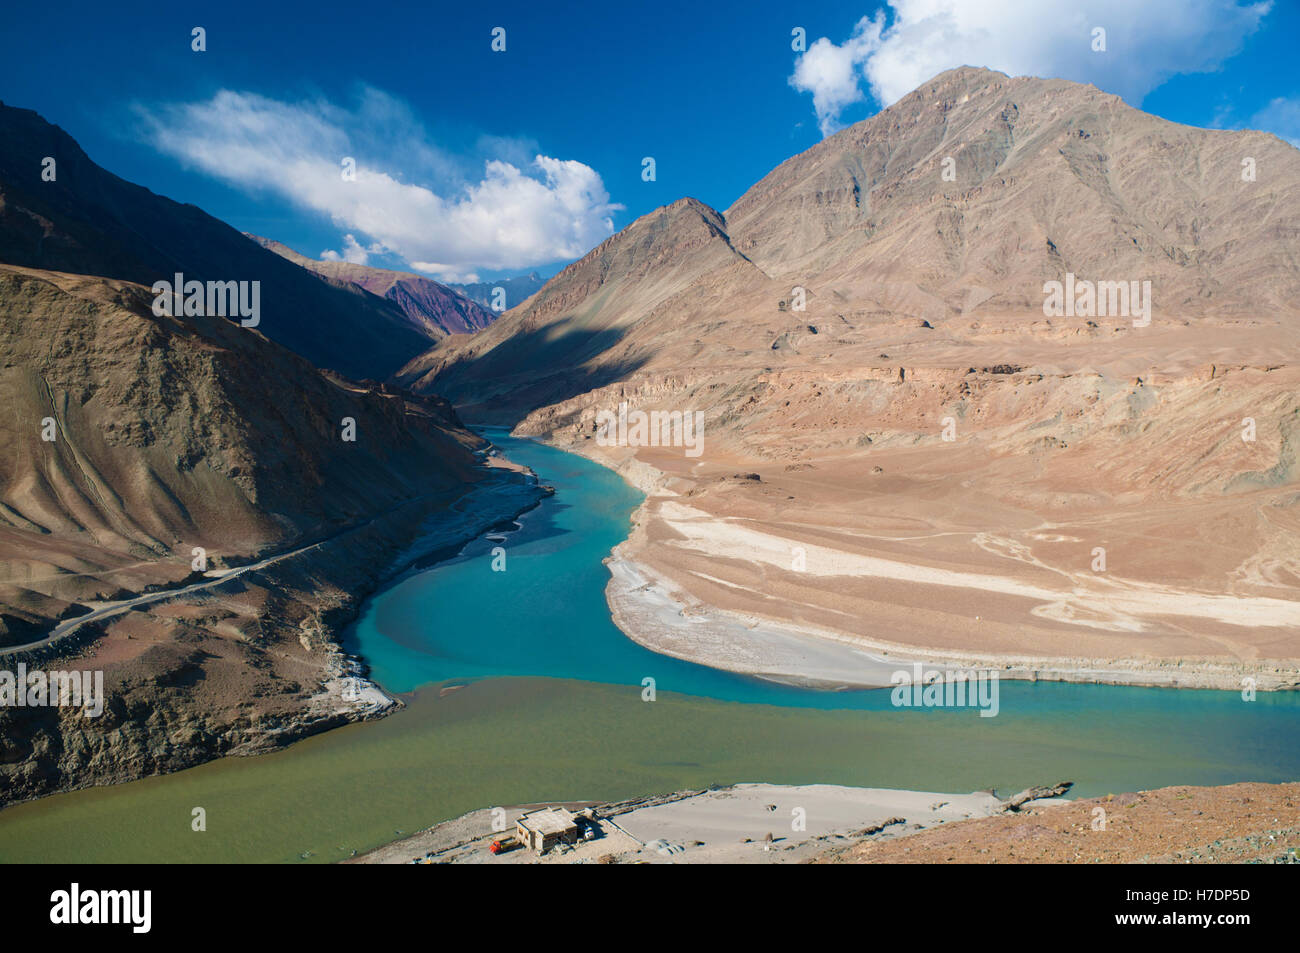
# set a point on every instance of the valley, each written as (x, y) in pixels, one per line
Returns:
(1003, 379)
(905, 450)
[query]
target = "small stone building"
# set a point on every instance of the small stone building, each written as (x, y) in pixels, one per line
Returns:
(542, 830)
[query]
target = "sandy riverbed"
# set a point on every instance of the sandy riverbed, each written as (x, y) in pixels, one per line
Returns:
(737, 574)
(724, 825)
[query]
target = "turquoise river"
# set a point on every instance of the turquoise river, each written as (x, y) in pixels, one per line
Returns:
(551, 709)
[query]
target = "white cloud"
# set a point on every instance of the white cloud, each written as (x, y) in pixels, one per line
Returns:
(353, 251)
(1280, 117)
(510, 216)
(445, 273)
(831, 73)
(1147, 41)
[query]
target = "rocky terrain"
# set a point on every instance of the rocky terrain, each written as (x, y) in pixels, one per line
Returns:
(1233, 824)
(901, 448)
(213, 505)
(176, 433)
(433, 309)
(169, 433)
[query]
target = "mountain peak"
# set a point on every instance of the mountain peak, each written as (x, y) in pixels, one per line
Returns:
(964, 74)
(685, 227)
(431, 308)
(688, 203)
(956, 204)
(974, 154)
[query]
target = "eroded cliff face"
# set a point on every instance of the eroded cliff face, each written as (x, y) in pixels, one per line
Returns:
(1070, 435)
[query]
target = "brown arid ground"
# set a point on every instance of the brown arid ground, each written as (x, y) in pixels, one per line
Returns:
(1236, 823)
(193, 506)
(920, 462)
(936, 557)
(242, 668)
(171, 435)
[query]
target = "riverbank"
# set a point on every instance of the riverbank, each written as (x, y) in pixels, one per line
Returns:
(742, 823)
(1235, 823)
(735, 572)
(245, 666)
(554, 706)
(655, 614)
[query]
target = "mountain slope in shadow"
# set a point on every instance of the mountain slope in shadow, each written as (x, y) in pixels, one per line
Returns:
(88, 221)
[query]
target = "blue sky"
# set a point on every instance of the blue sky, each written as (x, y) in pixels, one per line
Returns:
(447, 133)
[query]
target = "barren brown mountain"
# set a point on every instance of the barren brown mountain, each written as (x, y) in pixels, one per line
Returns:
(433, 309)
(166, 434)
(185, 504)
(931, 465)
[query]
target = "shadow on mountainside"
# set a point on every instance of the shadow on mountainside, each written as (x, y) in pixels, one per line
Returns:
(88, 221)
(503, 385)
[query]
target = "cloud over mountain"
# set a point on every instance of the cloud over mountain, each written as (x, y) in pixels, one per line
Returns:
(428, 211)
(1146, 43)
